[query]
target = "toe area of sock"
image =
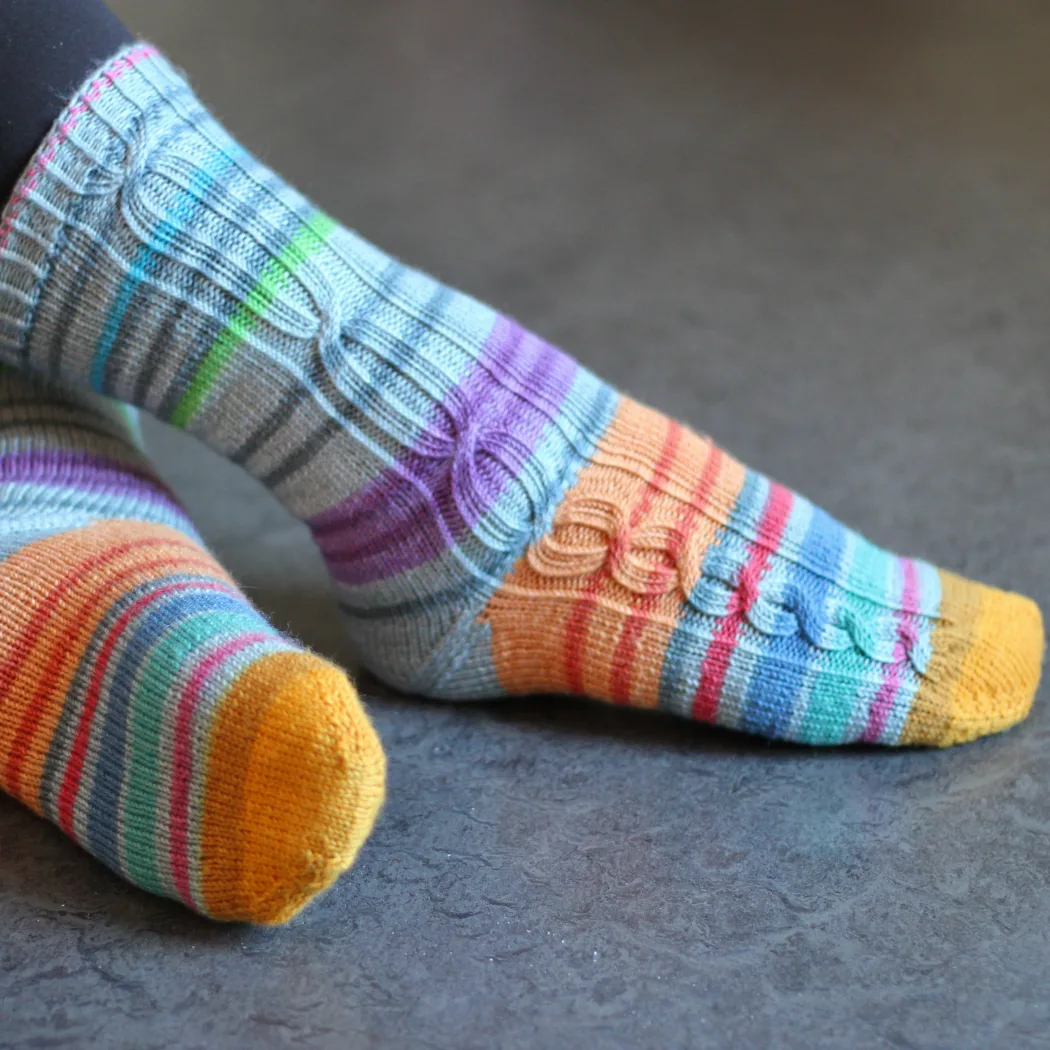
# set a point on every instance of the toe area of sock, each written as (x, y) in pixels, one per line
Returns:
(299, 780)
(985, 668)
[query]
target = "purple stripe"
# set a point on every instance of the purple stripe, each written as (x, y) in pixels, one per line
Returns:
(427, 501)
(86, 473)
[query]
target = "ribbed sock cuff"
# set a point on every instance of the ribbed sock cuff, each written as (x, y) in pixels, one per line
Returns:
(91, 146)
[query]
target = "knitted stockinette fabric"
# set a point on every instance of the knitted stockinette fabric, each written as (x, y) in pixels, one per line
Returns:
(495, 518)
(145, 707)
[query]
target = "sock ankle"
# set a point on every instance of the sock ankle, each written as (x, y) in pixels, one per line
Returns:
(495, 518)
(145, 707)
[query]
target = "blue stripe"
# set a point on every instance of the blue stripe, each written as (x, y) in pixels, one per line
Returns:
(148, 258)
(782, 670)
(222, 613)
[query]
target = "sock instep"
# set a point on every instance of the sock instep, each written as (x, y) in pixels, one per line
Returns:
(496, 519)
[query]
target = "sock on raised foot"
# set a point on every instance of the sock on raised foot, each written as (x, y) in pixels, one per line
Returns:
(496, 519)
(145, 707)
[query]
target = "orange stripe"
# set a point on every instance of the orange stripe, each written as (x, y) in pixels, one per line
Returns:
(65, 585)
(643, 604)
(575, 648)
(533, 613)
(43, 713)
(647, 605)
(16, 674)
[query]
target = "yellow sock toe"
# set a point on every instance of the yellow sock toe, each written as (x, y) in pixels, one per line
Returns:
(297, 773)
(987, 659)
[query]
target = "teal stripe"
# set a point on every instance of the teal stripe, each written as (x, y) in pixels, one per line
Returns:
(838, 694)
(143, 264)
(188, 641)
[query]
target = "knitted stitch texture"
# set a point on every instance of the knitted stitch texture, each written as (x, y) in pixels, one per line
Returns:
(145, 707)
(495, 518)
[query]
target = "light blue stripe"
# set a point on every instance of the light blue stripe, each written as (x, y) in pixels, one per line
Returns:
(171, 613)
(777, 681)
(147, 255)
(817, 690)
(835, 709)
(929, 602)
(695, 631)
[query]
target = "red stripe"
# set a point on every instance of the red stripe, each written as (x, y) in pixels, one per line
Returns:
(75, 764)
(625, 650)
(576, 628)
(45, 611)
(182, 763)
(720, 652)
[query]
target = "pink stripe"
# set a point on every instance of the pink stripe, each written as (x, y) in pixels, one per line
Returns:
(46, 154)
(182, 765)
(883, 705)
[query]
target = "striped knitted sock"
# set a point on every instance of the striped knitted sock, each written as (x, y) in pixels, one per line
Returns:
(145, 707)
(496, 519)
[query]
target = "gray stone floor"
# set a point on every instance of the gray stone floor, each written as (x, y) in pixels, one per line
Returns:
(819, 231)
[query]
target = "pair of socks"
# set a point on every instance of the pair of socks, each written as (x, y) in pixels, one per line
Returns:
(495, 518)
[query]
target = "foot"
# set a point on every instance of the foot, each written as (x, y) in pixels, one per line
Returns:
(145, 707)
(495, 518)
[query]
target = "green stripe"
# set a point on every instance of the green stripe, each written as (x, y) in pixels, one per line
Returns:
(310, 239)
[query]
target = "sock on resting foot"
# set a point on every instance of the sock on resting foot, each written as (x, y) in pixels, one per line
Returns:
(145, 707)
(495, 518)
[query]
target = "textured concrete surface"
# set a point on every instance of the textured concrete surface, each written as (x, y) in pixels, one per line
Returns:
(819, 231)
